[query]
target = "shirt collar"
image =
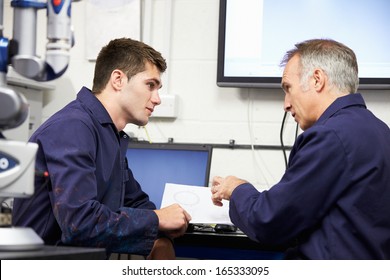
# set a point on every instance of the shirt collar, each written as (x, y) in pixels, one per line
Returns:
(96, 108)
(355, 99)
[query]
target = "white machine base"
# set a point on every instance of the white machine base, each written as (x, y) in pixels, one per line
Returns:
(19, 239)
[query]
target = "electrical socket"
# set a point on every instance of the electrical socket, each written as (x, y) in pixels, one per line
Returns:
(5, 219)
(167, 108)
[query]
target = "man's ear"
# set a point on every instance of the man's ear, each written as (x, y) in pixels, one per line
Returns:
(319, 79)
(117, 79)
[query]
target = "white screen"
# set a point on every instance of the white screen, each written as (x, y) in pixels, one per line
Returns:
(259, 32)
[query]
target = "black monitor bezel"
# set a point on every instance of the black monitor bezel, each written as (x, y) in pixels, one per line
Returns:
(266, 82)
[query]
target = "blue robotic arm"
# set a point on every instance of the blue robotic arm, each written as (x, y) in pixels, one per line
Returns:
(17, 159)
(16, 180)
(59, 34)
(20, 52)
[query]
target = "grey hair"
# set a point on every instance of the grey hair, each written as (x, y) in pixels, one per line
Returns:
(337, 61)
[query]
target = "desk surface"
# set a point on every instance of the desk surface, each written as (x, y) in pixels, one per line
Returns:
(56, 253)
(211, 245)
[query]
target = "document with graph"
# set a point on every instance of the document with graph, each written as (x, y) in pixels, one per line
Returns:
(196, 200)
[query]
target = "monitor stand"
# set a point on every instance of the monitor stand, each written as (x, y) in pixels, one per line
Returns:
(19, 239)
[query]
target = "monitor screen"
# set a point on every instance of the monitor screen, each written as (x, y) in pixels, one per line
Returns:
(254, 35)
(154, 165)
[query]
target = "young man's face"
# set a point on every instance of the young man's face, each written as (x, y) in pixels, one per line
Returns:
(140, 95)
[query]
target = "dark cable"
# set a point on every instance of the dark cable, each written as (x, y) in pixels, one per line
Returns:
(281, 139)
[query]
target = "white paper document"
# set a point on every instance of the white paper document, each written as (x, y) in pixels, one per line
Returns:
(197, 202)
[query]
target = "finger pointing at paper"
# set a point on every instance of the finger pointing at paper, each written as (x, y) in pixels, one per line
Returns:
(222, 188)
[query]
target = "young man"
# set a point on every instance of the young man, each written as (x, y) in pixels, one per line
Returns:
(333, 200)
(90, 197)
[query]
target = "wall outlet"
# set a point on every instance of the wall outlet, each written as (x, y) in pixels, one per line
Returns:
(5, 219)
(167, 108)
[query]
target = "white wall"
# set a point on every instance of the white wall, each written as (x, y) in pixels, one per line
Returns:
(206, 113)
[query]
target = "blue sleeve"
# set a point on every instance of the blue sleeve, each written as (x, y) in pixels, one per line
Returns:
(84, 220)
(315, 178)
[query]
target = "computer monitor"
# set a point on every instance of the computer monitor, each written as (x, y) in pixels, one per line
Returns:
(155, 164)
(253, 37)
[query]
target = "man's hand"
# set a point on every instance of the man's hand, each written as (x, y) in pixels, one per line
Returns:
(173, 220)
(222, 188)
